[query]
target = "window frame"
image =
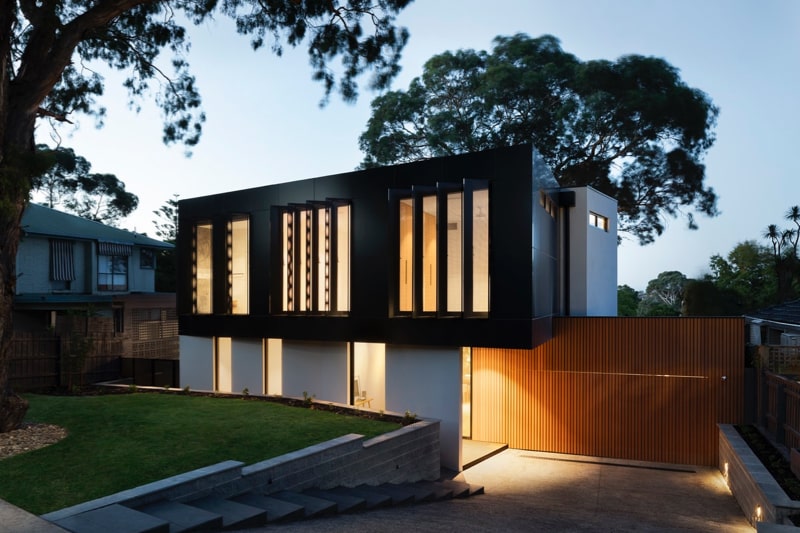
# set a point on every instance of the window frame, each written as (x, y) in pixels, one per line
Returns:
(113, 261)
(317, 292)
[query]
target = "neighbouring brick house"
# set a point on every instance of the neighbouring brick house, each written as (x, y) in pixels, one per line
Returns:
(77, 275)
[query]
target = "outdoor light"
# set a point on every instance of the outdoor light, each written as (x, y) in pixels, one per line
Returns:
(725, 473)
(758, 513)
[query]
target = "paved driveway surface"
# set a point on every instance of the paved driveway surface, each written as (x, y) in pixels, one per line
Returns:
(532, 491)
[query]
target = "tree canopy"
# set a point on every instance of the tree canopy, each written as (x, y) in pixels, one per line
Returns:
(664, 295)
(50, 51)
(630, 128)
(69, 185)
(786, 261)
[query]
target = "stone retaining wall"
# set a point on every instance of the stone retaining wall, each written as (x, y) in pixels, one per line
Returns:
(407, 454)
(758, 493)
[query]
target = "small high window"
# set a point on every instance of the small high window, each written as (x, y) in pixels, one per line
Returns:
(598, 221)
(147, 258)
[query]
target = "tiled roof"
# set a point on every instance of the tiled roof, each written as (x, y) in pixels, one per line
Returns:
(43, 221)
(787, 313)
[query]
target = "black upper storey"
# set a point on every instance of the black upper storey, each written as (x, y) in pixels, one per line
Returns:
(519, 316)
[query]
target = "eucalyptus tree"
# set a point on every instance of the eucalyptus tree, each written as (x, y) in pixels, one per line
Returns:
(48, 56)
(631, 128)
(69, 185)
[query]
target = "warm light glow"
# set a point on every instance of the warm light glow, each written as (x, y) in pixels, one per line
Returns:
(758, 513)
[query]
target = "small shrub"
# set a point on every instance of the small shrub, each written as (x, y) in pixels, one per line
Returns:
(132, 387)
(187, 389)
(308, 401)
(409, 418)
(245, 392)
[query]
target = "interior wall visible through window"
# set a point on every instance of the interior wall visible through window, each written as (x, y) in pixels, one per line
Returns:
(480, 251)
(201, 269)
(238, 265)
(406, 256)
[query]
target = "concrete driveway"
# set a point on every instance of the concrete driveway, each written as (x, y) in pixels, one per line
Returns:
(533, 491)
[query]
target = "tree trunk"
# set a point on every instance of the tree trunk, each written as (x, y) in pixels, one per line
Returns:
(12, 406)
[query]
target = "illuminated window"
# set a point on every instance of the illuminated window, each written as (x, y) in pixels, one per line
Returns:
(454, 251)
(201, 269)
(238, 266)
(480, 251)
(406, 254)
(316, 258)
(598, 221)
(442, 258)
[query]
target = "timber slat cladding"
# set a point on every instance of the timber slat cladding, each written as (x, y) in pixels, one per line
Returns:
(649, 389)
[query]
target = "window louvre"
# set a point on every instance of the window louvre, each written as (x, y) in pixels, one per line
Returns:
(62, 260)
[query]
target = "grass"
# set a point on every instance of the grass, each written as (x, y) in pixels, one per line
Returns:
(117, 442)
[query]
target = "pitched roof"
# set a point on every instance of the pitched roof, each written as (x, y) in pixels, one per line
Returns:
(43, 221)
(787, 313)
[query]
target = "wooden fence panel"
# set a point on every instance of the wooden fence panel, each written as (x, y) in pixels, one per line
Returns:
(634, 388)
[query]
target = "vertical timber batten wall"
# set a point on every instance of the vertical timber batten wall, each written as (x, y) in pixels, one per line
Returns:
(648, 389)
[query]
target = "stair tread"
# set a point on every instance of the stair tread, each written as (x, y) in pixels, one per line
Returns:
(117, 518)
(182, 517)
(234, 514)
(313, 506)
(439, 490)
(372, 498)
(345, 503)
(277, 510)
(418, 494)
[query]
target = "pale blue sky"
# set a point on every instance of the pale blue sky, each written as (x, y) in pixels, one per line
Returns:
(264, 125)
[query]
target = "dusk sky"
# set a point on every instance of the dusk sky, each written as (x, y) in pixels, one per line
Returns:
(264, 124)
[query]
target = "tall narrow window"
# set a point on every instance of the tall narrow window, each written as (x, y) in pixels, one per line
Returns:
(287, 219)
(304, 263)
(322, 265)
(202, 273)
(343, 258)
(406, 255)
(454, 253)
(480, 251)
(429, 252)
(238, 266)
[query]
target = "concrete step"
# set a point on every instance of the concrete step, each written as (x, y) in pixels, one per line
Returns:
(313, 506)
(345, 503)
(116, 518)
(277, 510)
(399, 495)
(373, 500)
(462, 489)
(183, 518)
(235, 515)
(472, 489)
(439, 491)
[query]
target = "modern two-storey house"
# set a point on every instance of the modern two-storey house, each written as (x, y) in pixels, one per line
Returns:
(372, 287)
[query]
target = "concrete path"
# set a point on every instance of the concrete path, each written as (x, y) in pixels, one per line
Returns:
(15, 520)
(533, 491)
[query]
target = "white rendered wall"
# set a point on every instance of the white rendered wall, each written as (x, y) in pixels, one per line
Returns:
(319, 369)
(247, 362)
(197, 362)
(592, 255)
(427, 381)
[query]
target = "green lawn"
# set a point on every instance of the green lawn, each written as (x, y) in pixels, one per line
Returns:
(117, 442)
